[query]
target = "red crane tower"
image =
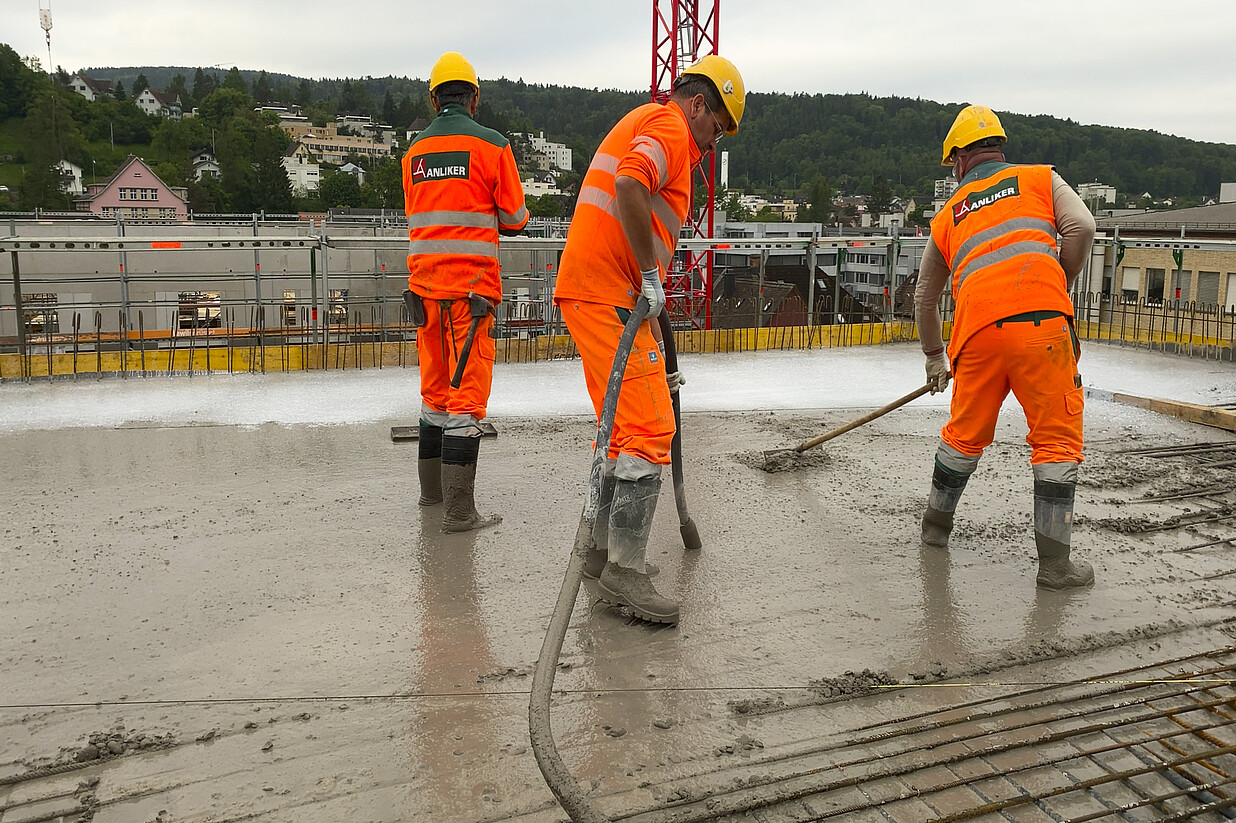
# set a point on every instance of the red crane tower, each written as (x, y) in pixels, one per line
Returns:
(683, 31)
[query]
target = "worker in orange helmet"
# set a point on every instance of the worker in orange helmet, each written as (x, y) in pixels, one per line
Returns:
(461, 191)
(631, 207)
(995, 243)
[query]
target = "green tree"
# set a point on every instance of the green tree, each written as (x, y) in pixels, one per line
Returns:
(304, 93)
(140, 84)
(232, 80)
(383, 187)
(819, 203)
(767, 215)
(272, 191)
(881, 196)
(261, 89)
(48, 137)
(217, 107)
(547, 205)
(388, 108)
(203, 85)
(339, 190)
(179, 88)
(118, 91)
(17, 84)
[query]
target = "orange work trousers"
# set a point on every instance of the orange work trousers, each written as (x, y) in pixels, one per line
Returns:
(438, 345)
(1039, 365)
(644, 422)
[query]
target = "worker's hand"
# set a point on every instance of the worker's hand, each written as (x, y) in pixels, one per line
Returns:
(654, 291)
(675, 380)
(937, 372)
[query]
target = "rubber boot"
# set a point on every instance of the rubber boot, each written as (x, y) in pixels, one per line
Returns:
(429, 464)
(459, 456)
(625, 580)
(1053, 527)
(946, 488)
(598, 553)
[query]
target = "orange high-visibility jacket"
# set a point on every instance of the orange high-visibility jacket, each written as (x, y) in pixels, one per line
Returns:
(653, 145)
(460, 186)
(998, 236)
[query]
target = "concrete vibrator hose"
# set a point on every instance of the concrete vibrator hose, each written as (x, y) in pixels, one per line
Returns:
(686, 526)
(560, 781)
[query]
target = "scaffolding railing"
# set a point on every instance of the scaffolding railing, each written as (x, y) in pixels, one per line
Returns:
(206, 320)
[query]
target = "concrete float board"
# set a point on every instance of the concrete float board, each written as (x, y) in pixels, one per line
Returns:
(266, 599)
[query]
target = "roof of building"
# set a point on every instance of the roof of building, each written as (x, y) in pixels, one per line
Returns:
(1221, 216)
(164, 99)
(98, 188)
(97, 86)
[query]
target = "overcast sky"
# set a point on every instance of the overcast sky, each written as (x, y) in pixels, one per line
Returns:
(1168, 65)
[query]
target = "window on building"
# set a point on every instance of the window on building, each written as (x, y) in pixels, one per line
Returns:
(39, 313)
(1154, 286)
(199, 310)
(338, 307)
(1208, 287)
(1130, 280)
(289, 308)
(1181, 280)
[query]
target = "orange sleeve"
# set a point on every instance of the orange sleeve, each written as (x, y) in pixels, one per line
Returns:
(509, 193)
(646, 158)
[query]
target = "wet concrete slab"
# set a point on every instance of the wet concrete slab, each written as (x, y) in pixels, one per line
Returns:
(268, 627)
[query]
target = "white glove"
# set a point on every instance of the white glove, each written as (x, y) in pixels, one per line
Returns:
(654, 291)
(937, 372)
(675, 380)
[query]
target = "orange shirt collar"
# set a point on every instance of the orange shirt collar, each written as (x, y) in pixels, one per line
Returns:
(692, 148)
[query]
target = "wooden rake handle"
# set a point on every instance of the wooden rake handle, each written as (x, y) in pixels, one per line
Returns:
(866, 418)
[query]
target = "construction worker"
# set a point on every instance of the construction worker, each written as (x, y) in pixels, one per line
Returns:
(995, 242)
(461, 190)
(632, 204)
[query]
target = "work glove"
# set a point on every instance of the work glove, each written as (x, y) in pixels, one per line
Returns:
(675, 380)
(654, 291)
(937, 372)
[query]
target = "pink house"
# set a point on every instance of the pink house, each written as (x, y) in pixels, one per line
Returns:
(134, 193)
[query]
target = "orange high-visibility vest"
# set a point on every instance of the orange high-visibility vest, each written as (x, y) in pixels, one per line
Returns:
(460, 186)
(998, 236)
(653, 145)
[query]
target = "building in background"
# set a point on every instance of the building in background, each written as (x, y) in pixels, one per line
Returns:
(156, 103)
(90, 88)
(304, 173)
(134, 192)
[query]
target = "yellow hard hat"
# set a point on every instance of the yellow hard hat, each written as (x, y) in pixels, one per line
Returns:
(452, 66)
(973, 124)
(728, 81)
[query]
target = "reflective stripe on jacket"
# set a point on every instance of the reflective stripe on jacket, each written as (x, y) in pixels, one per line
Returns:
(998, 236)
(653, 145)
(460, 186)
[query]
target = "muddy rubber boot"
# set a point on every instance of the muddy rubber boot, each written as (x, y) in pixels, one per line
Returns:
(946, 488)
(1053, 527)
(598, 553)
(459, 456)
(625, 580)
(429, 464)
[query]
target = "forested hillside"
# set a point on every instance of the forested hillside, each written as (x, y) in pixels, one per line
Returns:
(789, 145)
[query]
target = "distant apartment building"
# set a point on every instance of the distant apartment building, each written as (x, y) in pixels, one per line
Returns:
(327, 145)
(945, 188)
(547, 154)
(90, 88)
(134, 192)
(70, 178)
(304, 173)
(156, 103)
(1096, 193)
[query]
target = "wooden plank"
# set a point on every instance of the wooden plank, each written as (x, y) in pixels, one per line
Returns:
(410, 434)
(1214, 416)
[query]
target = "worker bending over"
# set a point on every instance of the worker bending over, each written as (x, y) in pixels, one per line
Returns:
(631, 207)
(461, 190)
(995, 241)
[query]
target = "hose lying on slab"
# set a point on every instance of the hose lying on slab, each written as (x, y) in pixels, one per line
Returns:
(560, 781)
(686, 526)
